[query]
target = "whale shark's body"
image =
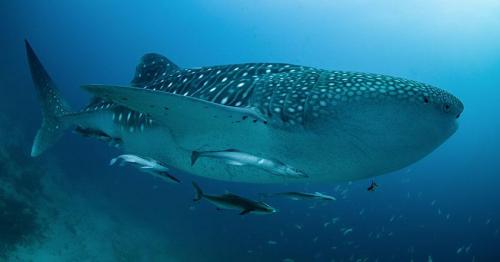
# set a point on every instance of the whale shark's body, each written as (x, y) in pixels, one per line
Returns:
(331, 125)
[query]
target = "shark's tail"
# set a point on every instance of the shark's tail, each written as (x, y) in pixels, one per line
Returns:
(53, 105)
(198, 193)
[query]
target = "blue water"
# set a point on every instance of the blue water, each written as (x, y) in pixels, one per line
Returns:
(444, 207)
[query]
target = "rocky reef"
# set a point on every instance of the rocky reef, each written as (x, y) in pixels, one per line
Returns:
(21, 190)
(45, 216)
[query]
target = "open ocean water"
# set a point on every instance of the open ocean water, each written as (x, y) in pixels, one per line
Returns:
(70, 205)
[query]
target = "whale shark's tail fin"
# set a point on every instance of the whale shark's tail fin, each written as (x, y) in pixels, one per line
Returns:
(53, 105)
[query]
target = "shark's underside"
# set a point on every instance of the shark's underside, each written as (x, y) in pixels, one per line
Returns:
(330, 125)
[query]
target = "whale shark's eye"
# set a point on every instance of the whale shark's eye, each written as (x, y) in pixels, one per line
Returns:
(426, 99)
(446, 108)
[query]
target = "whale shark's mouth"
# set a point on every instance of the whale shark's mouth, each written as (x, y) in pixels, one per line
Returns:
(454, 128)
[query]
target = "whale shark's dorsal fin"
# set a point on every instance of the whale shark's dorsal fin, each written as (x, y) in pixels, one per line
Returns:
(150, 67)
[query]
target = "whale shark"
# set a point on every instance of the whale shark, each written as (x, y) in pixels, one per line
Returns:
(331, 125)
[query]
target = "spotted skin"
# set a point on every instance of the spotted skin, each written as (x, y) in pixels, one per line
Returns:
(231, 85)
(290, 95)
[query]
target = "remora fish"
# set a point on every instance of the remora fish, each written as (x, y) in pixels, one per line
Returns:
(238, 158)
(98, 134)
(149, 166)
(304, 196)
(331, 125)
(234, 202)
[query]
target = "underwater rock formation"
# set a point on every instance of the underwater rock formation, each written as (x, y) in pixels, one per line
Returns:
(20, 191)
(44, 218)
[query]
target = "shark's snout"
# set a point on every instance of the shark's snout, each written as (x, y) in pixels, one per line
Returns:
(448, 103)
(460, 106)
(453, 106)
(447, 109)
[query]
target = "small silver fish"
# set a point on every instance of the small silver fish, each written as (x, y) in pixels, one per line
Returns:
(146, 165)
(238, 158)
(347, 231)
(303, 196)
(98, 134)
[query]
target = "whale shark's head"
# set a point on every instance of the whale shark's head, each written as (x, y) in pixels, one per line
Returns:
(388, 122)
(443, 110)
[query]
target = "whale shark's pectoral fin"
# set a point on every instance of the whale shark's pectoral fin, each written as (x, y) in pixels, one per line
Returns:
(185, 116)
(160, 104)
